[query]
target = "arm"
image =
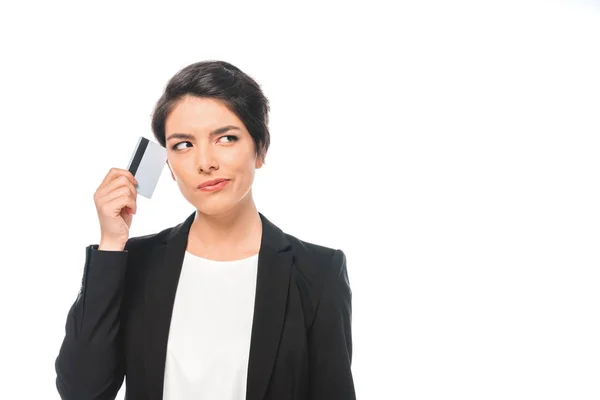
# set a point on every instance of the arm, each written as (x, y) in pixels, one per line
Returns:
(90, 362)
(330, 337)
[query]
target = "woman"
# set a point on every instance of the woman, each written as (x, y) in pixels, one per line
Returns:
(224, 305)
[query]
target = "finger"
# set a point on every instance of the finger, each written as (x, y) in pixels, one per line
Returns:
(114, 173)
(115, 206)
(115, 194)
(116, 183)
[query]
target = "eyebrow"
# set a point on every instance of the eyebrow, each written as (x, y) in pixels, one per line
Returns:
(218, 131)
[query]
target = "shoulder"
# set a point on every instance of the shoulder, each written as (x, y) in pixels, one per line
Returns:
(144, 242)
(320, 276)
(315, 261)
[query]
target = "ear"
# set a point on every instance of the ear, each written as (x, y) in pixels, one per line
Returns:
(260, 161)
(170, 170)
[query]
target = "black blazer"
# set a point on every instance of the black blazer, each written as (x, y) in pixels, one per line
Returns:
(301, 343)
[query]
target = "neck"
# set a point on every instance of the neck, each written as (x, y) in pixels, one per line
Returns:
(234, 228)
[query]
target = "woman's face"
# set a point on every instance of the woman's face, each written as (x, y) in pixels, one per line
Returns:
(206, 141)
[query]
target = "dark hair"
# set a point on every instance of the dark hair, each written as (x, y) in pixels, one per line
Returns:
(223, 81)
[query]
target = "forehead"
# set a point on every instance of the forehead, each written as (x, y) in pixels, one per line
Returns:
(193, 113)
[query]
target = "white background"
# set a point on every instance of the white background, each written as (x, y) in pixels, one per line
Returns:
(450, 148)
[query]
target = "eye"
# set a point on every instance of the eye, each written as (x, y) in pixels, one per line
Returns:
(235, 138)
(177, 144)
(232, 138)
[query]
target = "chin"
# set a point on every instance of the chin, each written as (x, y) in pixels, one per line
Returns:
(214, 207)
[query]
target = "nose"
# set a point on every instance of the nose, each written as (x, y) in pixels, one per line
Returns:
(206, 159)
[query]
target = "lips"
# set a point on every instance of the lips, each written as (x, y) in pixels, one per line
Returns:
(211, 182)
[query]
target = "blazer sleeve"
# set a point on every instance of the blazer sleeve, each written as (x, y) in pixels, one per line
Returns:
(330, 336)
(90, 362)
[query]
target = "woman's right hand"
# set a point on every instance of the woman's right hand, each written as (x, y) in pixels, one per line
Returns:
(115, 201)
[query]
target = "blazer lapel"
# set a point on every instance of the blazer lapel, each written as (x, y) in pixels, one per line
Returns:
(273, 281)
(274, 266)
(164, 272)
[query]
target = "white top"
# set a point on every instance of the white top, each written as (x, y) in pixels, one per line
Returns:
(209, 338)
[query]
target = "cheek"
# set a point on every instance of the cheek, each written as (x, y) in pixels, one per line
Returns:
(232, 159)
(181, 167)
(178, 172)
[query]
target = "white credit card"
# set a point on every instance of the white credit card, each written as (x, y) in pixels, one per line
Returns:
(146, 164)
